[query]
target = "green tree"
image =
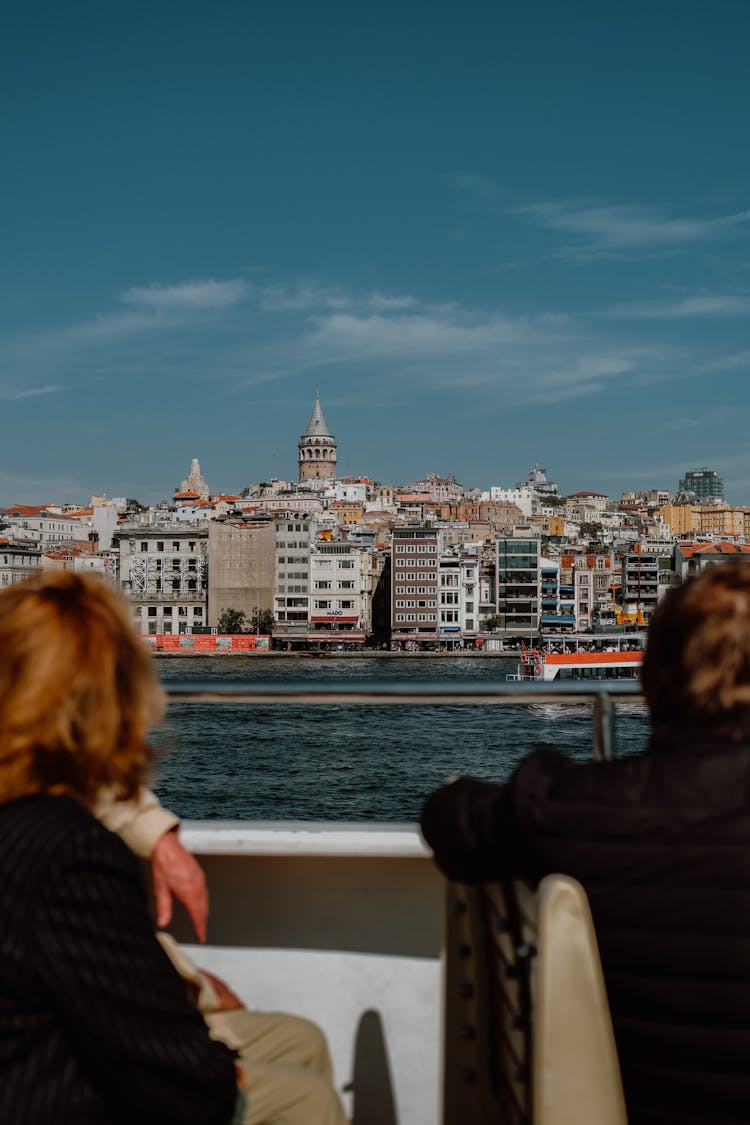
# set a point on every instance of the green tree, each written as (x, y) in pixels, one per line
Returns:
(231, 621)
(262, 621)
(493, 622)
(590, 530)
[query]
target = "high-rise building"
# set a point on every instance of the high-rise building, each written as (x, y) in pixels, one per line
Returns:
(517, 571)
(317, 447)
(702, 482)
(414, 589)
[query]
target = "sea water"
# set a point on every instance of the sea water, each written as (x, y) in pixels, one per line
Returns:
(355, 761)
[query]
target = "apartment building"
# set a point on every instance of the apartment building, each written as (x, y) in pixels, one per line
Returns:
(295, 533)
(17, 563)
(341, 580)
(557, 598)
(646, 574)
(518, 585)
(458, 598)
(414, 585)
(241, 567)
(164, 573)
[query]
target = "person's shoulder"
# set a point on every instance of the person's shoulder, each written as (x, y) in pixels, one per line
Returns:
(548, 774)
(39, 832)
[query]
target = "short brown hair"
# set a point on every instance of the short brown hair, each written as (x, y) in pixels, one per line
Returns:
(697, 664)
(78, 691)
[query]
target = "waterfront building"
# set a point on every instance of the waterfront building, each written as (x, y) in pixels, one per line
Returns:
(317, 447)
(702, 482)
(164, 573)
(557, 597)
(17, 562)
(295, 533)
(449, 599)
(341, 582)
(469, 591)
(458, 597)
(414, 585)
(241, 562)
(518, 584)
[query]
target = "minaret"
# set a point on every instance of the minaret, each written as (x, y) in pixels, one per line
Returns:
(317, 447)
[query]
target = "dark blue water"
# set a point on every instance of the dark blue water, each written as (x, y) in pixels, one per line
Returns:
(353, 762)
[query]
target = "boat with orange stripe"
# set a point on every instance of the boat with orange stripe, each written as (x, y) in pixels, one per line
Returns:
(582, 657)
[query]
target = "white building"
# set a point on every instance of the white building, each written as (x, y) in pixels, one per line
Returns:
(341, 593)
(295, 534)
(458, 598)
(17, 563)
(523, 498)
(164, 573)
(43, 530)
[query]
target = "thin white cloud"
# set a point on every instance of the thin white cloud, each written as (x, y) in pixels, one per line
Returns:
(507, 361)
(601, 228)
(708, 304)
(111, 326)
(303, 298)
(187, 295)
(9, 393)
(730, 362)
(384, 303)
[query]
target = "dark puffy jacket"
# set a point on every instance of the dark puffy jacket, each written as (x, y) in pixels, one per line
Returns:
(661, 843)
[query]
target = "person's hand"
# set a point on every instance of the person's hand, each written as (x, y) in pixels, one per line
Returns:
(228, 1001)
(176, 874)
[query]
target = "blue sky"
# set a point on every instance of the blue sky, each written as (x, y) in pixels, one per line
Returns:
(493, 234)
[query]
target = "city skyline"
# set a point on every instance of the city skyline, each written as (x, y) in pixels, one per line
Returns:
(522, 237)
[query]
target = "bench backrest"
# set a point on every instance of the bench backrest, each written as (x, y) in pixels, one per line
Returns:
(528, 1035)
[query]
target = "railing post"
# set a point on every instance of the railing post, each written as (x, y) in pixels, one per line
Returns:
(604, 727)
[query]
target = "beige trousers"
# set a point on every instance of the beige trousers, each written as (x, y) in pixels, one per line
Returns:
(287, 1067)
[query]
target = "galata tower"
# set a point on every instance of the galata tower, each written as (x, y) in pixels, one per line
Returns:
(317, 447)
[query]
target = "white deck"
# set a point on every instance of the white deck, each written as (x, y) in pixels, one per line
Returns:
(343, 924)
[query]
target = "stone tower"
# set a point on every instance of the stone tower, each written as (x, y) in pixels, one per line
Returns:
(317, 447)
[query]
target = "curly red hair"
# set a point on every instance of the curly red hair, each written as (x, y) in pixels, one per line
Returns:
(78, 691)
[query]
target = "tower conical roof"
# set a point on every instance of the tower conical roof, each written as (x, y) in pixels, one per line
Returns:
(317, 426)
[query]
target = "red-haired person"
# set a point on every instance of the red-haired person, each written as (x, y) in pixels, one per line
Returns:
(95, 1024)
(661, 843)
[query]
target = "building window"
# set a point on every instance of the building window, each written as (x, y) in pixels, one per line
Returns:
(160, 546)
(144, 546)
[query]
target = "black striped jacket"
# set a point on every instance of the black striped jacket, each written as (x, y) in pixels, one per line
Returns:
(95, 1025)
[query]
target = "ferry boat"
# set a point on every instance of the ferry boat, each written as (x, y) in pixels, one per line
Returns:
(601, 656)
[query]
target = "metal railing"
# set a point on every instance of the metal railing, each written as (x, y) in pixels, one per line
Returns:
(601, 699)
